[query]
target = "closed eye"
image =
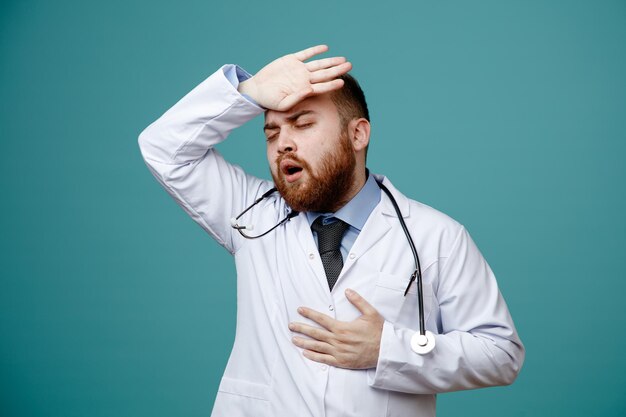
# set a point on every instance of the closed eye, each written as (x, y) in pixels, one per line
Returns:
(271, 133)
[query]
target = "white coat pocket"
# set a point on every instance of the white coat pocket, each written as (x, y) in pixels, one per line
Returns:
(239, 398)
(391, 303)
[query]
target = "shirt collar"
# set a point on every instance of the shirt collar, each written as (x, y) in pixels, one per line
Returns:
(357, 210)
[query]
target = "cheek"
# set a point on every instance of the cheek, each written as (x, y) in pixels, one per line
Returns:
(271, 153)
(273, 169)
(323, 145)
(270, 161)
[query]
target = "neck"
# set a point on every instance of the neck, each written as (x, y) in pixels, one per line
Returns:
(360, 176)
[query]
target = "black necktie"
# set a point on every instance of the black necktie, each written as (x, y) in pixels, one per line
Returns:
(328, 241)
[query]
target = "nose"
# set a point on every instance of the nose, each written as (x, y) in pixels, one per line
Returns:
(286, 142)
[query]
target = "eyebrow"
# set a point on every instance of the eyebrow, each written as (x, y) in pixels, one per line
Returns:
(290, 119)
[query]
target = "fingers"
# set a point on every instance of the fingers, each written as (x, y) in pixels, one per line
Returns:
(360, 303)
(318, 88)
(331, 73)
(312, 345)
(320, 357)
(324, 63)
(311, 52)
(293, 99)
(323, 320)
(322, 88)
(313, 332)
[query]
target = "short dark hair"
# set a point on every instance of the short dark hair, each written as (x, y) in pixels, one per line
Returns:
(350, 100)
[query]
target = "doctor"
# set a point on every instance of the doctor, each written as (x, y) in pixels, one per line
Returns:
(323, 324)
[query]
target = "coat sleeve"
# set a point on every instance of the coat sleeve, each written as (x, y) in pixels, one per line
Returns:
(477, 345)
(178, 150)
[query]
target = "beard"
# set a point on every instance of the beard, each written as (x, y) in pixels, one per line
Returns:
(324, 191)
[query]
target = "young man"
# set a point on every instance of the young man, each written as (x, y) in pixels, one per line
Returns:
(323, 324)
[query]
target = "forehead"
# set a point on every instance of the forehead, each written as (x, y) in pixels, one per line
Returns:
(320, 105)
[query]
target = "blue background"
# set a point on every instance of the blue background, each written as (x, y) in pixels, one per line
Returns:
(508, 116)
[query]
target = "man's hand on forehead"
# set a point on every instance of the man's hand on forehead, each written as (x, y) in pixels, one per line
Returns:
(285, 82)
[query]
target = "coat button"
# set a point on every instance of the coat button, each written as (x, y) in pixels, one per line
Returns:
(311, 256)
(324, 367)
(352, 255)
(331, 308)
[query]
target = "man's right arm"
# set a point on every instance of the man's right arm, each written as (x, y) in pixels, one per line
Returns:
(178, 149)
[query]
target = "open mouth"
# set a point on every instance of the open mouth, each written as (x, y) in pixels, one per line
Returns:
(291, 170)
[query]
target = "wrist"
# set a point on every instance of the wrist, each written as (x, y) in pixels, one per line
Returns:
(248, 88)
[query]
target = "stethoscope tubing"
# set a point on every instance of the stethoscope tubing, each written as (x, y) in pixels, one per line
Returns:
(417, 274)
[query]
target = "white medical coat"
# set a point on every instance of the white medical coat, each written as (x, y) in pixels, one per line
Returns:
(476, 342)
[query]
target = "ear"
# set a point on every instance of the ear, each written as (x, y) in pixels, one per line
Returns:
(359, 131)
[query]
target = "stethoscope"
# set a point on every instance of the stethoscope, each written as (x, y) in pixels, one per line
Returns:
(422, 342)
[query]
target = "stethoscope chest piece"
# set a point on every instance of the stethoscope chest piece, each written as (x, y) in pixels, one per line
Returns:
(423, 344)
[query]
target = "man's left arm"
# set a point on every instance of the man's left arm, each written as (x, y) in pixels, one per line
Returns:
(478, 345)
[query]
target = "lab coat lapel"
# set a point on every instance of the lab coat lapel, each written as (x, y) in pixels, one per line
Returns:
(375, 228)
(309, 250)
(377, 225)
(387, 205)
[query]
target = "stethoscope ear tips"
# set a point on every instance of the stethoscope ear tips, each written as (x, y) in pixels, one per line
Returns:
(423, 344)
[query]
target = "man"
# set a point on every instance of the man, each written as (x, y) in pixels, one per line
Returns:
(326, 330)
